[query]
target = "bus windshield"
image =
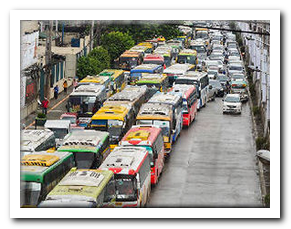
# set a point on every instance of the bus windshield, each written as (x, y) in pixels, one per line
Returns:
(153, 62)
(185, 107)
(201, 34)
(164, 125)
(59, 132)
(185, 81)
(114, 127)
(131, 62)
(83, 104)
(123, 187)
(30, 192)
(198, 48)
(182, 59)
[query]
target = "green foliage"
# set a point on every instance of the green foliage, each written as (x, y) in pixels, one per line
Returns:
(267, 200)
(96, 61)
(263, 143)
(145, 31)
(41, 115)
(116, 43)
(101, 54)
(256, 110)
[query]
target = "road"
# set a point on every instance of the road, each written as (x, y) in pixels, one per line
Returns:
(212, 163)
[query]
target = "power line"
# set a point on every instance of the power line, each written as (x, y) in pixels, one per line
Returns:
(223, 29)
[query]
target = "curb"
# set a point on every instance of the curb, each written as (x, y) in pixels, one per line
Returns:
(259, 163)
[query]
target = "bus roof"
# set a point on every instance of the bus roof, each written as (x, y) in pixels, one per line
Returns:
(58, 124)
(188, 52)
(88, 90)
(147, 44)
(150, 67)
(155, 111)
(125, 160)
(95, 79)
(139, 48)
(129, 94)
(165, 98)
(155, 56)
(81, 185)
(185, 89)
(178, 68)
(31, 139)
(35, 165)
(195, 75)
(84, 141)
(141, 135)
(112, 111)
(152, 78)
(111, 73)
(130, 53)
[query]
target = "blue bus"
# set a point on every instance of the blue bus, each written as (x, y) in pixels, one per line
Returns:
(136, 73)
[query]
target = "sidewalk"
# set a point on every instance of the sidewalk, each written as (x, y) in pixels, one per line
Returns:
(54, 103)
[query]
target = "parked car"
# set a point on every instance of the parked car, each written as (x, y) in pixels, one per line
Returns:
(232, 104)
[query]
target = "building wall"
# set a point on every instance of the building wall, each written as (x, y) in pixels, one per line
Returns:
(259, 52)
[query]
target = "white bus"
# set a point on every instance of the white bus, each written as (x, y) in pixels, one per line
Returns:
(132, 177)
(201, 81)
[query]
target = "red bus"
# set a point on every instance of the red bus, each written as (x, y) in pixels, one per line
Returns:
(190, 101)
(154, 59)
(151, 138)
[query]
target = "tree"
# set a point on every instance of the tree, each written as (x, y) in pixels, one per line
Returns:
(102, 55)
(97, 60)
(116, 43)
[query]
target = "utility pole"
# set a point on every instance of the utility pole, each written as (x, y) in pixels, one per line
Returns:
(48, 57)
(91, 36)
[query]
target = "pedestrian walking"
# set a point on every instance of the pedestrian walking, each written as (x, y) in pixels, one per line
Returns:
(65, 85)
(75, 83)
(56, 91)
(44, 105)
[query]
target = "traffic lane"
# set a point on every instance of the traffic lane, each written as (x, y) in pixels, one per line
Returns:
(212, 163)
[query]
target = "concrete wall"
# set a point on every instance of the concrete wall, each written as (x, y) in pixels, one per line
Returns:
(28, 109)
(71, 65)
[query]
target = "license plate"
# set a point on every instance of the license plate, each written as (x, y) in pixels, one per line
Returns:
(118, 204)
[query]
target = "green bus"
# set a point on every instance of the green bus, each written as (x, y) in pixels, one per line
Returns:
(40, 173)
(80, 188)
(154, 82)
(90, 147)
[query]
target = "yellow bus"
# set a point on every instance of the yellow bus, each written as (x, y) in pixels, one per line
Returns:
(128, 60)
(160, 115)
(80, 188)
(149, 45)
(132, 95)
(116, 119)
(142, 49)
(98, 80)
(117, 79)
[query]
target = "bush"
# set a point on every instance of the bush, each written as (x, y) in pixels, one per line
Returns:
(41, 115)
(256, 110)
(267, 200)
(262, 143)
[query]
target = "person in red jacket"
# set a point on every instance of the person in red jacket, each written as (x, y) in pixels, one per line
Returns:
(44, 105)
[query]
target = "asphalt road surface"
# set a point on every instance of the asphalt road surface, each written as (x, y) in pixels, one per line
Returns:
(212, 163)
